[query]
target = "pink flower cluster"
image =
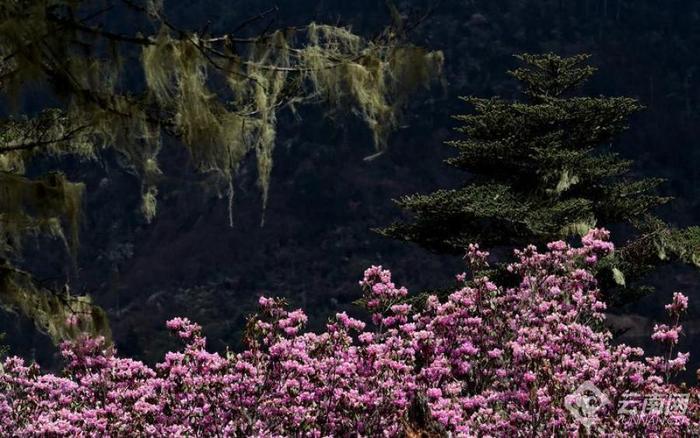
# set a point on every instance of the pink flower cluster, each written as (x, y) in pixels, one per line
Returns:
(486, 360)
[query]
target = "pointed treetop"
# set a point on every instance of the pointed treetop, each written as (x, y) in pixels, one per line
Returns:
(550, 76)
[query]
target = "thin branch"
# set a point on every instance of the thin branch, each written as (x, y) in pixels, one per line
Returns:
(250, 20)
(64, 22)
(185, 34)
(408, 29)
(103, 33)
(36, 144)
(9, 269)
(97, 13)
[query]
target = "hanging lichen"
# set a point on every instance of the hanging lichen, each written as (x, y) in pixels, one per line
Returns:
(50, 205)
(220, 95)
(30, 206)
(61, 315)
(374, 79)
(331, 63)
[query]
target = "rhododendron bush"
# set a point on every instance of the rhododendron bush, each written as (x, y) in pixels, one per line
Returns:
(487, 360)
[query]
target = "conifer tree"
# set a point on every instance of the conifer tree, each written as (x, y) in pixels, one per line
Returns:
(125, 84)
(542, 169)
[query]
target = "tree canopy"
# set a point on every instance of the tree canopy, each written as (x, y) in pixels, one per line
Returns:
(542, 169)
(127, 86)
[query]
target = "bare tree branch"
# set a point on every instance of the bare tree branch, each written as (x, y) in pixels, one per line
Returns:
(255, 18)
(40, 143)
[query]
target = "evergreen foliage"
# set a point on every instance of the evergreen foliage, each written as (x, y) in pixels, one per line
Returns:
(218, 94)
(542, 170)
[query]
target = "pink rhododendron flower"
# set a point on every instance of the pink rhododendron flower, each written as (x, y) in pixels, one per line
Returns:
(485, 361)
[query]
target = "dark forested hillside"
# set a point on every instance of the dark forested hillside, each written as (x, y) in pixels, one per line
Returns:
(324, 201)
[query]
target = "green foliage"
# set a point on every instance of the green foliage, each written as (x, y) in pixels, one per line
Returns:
(541, 170)
(220, 95)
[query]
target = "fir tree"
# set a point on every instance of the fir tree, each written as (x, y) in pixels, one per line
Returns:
(542, 170)
(125, 87)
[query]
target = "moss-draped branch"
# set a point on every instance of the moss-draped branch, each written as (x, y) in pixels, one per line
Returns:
(220, 95)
